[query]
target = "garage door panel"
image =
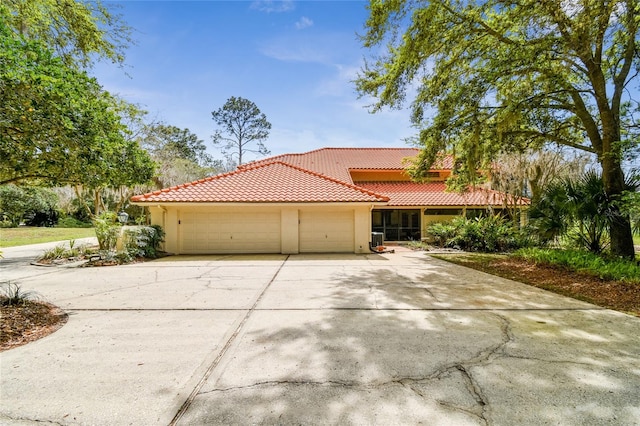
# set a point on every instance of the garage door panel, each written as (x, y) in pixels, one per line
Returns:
(326, 231)
(230, 232)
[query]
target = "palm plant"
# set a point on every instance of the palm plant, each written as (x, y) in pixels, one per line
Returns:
(576, 208)
(592, 211)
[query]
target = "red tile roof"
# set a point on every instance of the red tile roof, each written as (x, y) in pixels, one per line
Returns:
(322, 175)
(337, 162)
(273, 182)
(432, 194)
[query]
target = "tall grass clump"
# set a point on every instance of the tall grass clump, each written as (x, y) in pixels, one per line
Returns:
(583, 261)
(13, 294)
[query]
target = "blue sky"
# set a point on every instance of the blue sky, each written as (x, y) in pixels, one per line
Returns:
(295, 59)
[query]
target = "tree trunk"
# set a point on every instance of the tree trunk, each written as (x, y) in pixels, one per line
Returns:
(620, 225)
(80, 198)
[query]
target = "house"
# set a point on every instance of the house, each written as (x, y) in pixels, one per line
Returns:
(327, 200)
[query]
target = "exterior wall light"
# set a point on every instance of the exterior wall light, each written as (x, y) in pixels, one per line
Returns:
(123, 217)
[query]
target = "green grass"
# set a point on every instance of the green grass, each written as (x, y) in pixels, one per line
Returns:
(636, 240)
(581, 261)
(11, 237)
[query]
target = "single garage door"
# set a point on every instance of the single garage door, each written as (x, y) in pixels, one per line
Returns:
(230, 232)
(326, 231)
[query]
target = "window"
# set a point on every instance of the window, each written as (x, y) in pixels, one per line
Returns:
(397, 224)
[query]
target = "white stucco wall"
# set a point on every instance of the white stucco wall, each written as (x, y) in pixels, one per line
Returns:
(169, 216)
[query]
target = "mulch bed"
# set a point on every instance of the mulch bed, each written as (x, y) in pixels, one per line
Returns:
(28, 321)
(617, 295)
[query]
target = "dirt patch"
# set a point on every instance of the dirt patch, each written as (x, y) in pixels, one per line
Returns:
(617, 295)
(28, 321)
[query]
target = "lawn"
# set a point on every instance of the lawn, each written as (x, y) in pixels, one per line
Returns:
(11, 237)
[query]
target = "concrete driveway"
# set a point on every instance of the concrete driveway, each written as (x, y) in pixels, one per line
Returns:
(318, 339)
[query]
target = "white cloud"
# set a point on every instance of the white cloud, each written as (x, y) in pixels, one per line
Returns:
(299, 49)
(340, 84)
(322, 48)
(273, 6)
(303, 23)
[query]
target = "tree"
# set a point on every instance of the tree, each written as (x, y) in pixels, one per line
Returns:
(503, 76)
(180, 155)
(77, 31)
(528, 173)
(33, 205)
(166, 142)
(116, 160)
(57, 125)
(242, 123)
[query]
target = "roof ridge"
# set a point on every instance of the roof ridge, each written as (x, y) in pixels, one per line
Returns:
(327, 148)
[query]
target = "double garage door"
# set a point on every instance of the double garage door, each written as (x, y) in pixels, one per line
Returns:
(261, 232)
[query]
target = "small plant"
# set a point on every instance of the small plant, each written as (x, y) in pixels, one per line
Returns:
(61, 252)
(417, 245)
(58, 252)
(108, 256)
(12, 294)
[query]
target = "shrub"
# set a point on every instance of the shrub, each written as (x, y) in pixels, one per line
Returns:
(72, 222)
(107, 231)
(580, 211)
(143, 241)
(483, 234)
(442, 233)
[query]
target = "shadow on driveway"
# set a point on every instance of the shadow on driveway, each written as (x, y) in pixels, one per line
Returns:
(423, 342)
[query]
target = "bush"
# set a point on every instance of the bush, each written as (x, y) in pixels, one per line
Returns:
(72, 222)
(143, 241)
(442, 233)
(107, 231)
(483, 234)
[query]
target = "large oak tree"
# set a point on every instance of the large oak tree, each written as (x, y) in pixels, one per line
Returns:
(504, 75)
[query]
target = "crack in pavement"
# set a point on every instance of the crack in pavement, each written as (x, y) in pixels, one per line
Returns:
(482, 404)
(478, 405)
(27, 419)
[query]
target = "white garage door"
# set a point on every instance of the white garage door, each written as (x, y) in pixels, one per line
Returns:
(329, 231)
(230, 232)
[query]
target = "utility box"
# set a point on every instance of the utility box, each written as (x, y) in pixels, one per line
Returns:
(377, 239)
